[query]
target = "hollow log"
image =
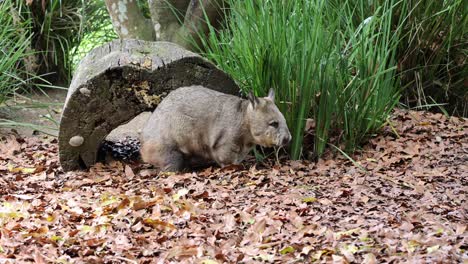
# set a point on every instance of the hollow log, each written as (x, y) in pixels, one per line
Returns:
(119, 80)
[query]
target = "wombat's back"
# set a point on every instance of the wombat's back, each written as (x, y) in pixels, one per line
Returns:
(198, 98)
(192, 111)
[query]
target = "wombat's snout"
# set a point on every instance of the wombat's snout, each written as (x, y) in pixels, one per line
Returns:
(286, 139)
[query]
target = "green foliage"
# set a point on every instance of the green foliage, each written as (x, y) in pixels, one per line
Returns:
(13, 49)
(57, 28)
(40, 42)
(92, 40)
(433, 54)
(325, 60)
(370, 86)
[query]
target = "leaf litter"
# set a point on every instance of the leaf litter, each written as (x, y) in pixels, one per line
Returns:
(409, 205)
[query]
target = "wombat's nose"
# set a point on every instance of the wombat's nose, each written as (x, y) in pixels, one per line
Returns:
(286, 140)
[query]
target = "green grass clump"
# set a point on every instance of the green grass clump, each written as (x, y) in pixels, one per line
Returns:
(57, 29)
(433, 54)
(13, 50)
(327, 61)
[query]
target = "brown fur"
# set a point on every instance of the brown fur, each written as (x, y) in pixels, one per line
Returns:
(198, 125)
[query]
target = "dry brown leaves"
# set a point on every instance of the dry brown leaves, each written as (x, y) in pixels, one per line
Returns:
(410, 205)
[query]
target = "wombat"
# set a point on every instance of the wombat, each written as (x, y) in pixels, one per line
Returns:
(197, 125)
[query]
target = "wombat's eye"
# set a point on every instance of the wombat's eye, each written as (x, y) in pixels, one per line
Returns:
(274, 124)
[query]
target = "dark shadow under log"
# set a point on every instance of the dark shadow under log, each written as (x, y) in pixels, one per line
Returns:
(119, 80)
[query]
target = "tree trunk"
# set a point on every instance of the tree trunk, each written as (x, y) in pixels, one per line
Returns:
(195, 25)
(167, 17)
(178, 21)
(46, 58)
(128, 20)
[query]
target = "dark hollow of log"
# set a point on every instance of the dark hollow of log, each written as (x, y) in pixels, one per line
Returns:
(119, 80)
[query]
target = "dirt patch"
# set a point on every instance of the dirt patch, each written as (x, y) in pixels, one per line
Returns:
(402, 200)
(39, 113)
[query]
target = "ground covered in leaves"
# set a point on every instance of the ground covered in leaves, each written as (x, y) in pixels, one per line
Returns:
(402, 200)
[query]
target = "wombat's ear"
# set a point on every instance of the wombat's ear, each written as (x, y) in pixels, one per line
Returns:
(253, 99)
(271, 94)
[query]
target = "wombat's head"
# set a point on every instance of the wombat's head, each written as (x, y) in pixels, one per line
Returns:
(267, 124)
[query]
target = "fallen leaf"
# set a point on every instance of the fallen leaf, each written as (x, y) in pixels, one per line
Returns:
(460, 229)
(24, 196)
(23, 170)
(369, 258)
(9, 147)
(259, 226)
(432, 249)
(309, 199)
(156, 223)
(182, 251)
(286, 250)
(229, 223)
(94, 242)
(180, 193)
(338, 259)
(129, 172)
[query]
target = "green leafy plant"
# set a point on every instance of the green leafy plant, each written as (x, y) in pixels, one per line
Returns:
(13, 49)
(40, 42)
(369, 91)
(326, 61)
(57, 28)
(433, 54)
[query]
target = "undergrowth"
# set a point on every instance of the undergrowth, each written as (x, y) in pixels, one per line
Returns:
(328, 61)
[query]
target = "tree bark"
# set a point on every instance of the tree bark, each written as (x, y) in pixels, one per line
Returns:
(195, 22)
(178, 21)
(167, 17)
(128, 20)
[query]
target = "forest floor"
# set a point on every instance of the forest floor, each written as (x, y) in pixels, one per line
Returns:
(34, 112)
(404, 199)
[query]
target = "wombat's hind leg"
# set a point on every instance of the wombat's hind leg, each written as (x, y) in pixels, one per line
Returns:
(173, 161)
(162, 156)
